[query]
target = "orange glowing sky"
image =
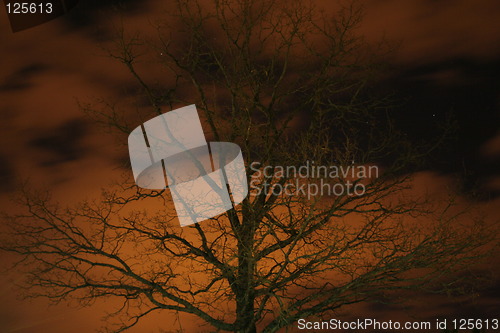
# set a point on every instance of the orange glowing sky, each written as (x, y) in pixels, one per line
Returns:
(44, 137)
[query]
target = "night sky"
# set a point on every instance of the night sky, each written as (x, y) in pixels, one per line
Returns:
(446, 64)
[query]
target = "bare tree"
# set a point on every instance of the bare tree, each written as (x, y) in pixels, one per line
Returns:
(291, 85)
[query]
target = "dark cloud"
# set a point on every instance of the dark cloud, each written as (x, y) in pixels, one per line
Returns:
(64, 143)
(7, 174)
(465, 92)
(383, 306)
(434, 30)
(21, 79)
(95, 14)
(470, 310)
(493, 291)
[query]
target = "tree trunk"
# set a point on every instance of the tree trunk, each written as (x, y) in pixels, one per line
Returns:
(245, 295)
